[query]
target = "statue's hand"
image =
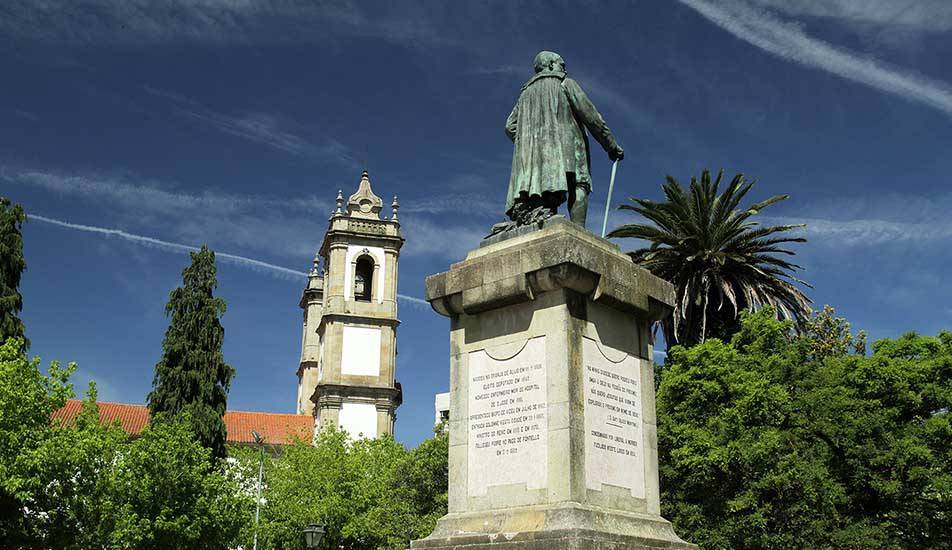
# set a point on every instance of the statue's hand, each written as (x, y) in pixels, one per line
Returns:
(617, 154)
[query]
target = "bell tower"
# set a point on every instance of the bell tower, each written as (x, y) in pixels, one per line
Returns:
(346, 378)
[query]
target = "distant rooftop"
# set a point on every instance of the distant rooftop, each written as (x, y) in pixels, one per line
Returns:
(275, 428)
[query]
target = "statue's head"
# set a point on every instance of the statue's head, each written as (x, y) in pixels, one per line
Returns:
(548, 61)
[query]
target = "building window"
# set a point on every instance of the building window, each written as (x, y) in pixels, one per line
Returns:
(363, 278)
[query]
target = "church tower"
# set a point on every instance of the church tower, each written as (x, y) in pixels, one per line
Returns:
(348, 355)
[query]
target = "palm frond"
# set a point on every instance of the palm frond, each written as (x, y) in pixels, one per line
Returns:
(758, 206)
(720, 260)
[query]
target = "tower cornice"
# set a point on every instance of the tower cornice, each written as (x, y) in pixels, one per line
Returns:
(333, 392)
(344, 229)
(354, 318)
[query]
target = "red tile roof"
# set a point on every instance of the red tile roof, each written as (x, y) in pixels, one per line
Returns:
(275, 428)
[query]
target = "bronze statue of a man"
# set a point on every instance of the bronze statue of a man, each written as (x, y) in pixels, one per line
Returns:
(550, 160)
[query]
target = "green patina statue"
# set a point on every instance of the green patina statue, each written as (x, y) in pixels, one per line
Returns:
(550, 160)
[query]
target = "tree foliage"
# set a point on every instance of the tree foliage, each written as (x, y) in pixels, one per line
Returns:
(67, 473)
(783, 440)
(163, 491)
(720, 261)
(192, 376)
(369, 493)
(27, 399)
(12, 265)
(87, 485)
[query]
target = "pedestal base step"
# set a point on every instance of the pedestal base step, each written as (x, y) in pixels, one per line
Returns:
(558, 539)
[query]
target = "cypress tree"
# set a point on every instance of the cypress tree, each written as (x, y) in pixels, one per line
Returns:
(192, 376)
(12, 265)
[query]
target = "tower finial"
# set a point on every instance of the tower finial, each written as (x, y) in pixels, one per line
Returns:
(364, 203)
(395, 205)
(340, 202)
(315, 266)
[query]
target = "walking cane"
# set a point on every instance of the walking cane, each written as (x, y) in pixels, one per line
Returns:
(608, 203)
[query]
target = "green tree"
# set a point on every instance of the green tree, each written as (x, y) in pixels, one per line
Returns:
(27, 399)
(402, 492)
(86, 485)
(12, 265)
(192, 376)
(164, 491)
(307, 484)
(68, 471)
(425, 475)
(779, 439)
(720, 261)
(101, 489)
(369, 493)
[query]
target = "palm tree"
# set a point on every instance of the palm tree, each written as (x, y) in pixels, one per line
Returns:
(719, 260)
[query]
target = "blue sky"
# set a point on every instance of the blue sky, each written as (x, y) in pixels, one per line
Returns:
(234, 122)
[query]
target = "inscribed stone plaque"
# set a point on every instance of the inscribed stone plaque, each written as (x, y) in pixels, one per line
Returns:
(613, 422)
(507, 417)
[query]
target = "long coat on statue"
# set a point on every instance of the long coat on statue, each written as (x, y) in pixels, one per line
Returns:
(547, 127)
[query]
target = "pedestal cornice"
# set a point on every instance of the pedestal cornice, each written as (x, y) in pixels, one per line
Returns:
(559, 255)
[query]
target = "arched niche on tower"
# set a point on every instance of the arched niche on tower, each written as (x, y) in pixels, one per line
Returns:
(365, 274)
(364, 267)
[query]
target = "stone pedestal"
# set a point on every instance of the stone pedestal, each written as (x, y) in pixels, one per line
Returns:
(552, 419)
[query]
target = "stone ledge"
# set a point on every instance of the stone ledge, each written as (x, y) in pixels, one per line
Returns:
(559, 255)
(574, 539)
(540, 521)
(389, 394)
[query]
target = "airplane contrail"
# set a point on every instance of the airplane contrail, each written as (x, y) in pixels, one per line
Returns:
(243, 261)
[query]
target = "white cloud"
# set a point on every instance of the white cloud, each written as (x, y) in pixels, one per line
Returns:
(874, 220)
(265, 128)
(919, 15)
(519, 70)
(883, 219)
(170, 95)
(216, 21)
(867, 232)
(641, 127)
(32, 117)
(880, 220)
(472, 204)
(148, 194)
(79, 21)
(607, 96)
(894, 206)
(288, 227)
(452, 242)
(763, 29)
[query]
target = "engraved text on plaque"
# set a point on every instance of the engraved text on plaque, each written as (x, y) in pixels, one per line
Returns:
(613, 423)
(507, 418)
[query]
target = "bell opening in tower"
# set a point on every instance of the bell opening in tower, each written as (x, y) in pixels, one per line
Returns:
(363, 278)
